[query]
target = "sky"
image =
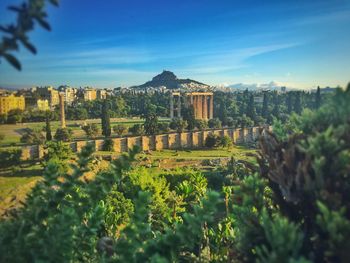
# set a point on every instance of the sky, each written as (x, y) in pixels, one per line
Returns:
(112, 43)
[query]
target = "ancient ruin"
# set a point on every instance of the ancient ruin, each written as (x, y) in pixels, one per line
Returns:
(202, 102)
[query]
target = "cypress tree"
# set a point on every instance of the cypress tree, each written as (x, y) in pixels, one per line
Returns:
(318, 98)
(105, 120)
(250, 108)
(276, 106)
(265, 107)
(289, 102)
(297, 103)
(48, 127)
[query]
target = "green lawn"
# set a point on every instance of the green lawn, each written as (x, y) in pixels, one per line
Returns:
(15, 184)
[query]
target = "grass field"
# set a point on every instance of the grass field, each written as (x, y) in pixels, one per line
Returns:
(16, 183)
(13, 132)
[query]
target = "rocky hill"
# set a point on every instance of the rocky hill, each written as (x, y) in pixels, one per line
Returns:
(169, 80)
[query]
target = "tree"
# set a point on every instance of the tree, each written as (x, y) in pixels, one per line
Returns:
(91, 130)
(48, 127)
(108, 145)
(2, 137)
(318, 98)
(188, 116)
(14, 116)
(33, 137)
(151, 121)
(265, 107)
(163, 127)
(63, 134)
(225, 142)
(251, 113)
(276, 106)
(289, 102)
(105, 119)
(137, 129)
(120, 129)
(27, 15)
(297, 103)
(214, 123)
(201, 125)
(211, 141)
(178, 124)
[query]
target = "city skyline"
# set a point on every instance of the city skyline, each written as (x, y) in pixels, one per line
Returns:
(299, 44)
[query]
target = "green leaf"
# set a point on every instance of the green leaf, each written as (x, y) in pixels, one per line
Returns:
(13, 61)
(43, 23)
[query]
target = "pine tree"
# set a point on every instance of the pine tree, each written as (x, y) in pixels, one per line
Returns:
(48, 128)
(318, 98)
(297, 103)
(105, 120)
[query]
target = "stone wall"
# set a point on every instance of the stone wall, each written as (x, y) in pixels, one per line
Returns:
(194, 139)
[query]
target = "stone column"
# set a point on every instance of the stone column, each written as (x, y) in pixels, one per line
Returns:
(179, 106)
(205, 107)
(200, 107)
(194, 100)
(211, 108)
(171, 106)
(63, 117)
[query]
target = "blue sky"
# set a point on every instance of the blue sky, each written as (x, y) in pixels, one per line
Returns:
(108, 43)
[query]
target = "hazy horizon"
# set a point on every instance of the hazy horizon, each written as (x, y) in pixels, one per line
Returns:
(299, 44)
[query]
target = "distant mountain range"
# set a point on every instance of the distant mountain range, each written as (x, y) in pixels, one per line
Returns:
(169, 80)
(265, 86)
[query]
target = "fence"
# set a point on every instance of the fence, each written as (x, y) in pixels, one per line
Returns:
(183, 140)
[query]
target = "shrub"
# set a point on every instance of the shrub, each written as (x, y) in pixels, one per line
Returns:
(225, 142)
(108, 145)
(120, 129)
(10, 158)
(91, 130)
(214, 123)
(178, 124)
(201, 124)
(211, 141)
(137, 129)
(33, 137)
(63, 134)
(163, 127)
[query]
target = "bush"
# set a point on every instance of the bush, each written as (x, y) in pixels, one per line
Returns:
(225, 142)
(120, 129)
(33, 137)
(63, 134)
(108, 145)
(163, 127)
(211, 141)
(91, 130)
(178, 124)
(10, 158)
(214, 123)
(137, 129)
(201, 124)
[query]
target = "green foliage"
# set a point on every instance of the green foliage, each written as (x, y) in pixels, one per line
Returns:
(91, 130)
(120, 129)
(14, 116)
(108, 145)
(105, 119)
(214, 123)
(58, 153)
(137, 129)
(163, 127)
(48, 128)
(284, 240)
(188, 116)
(33, 137)
(178, 125)
(211, 140)
(27, 15)
(10, 158)
(118, 211)
(151, 121)
(63, 134)
(225, 142)
(201, 125)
